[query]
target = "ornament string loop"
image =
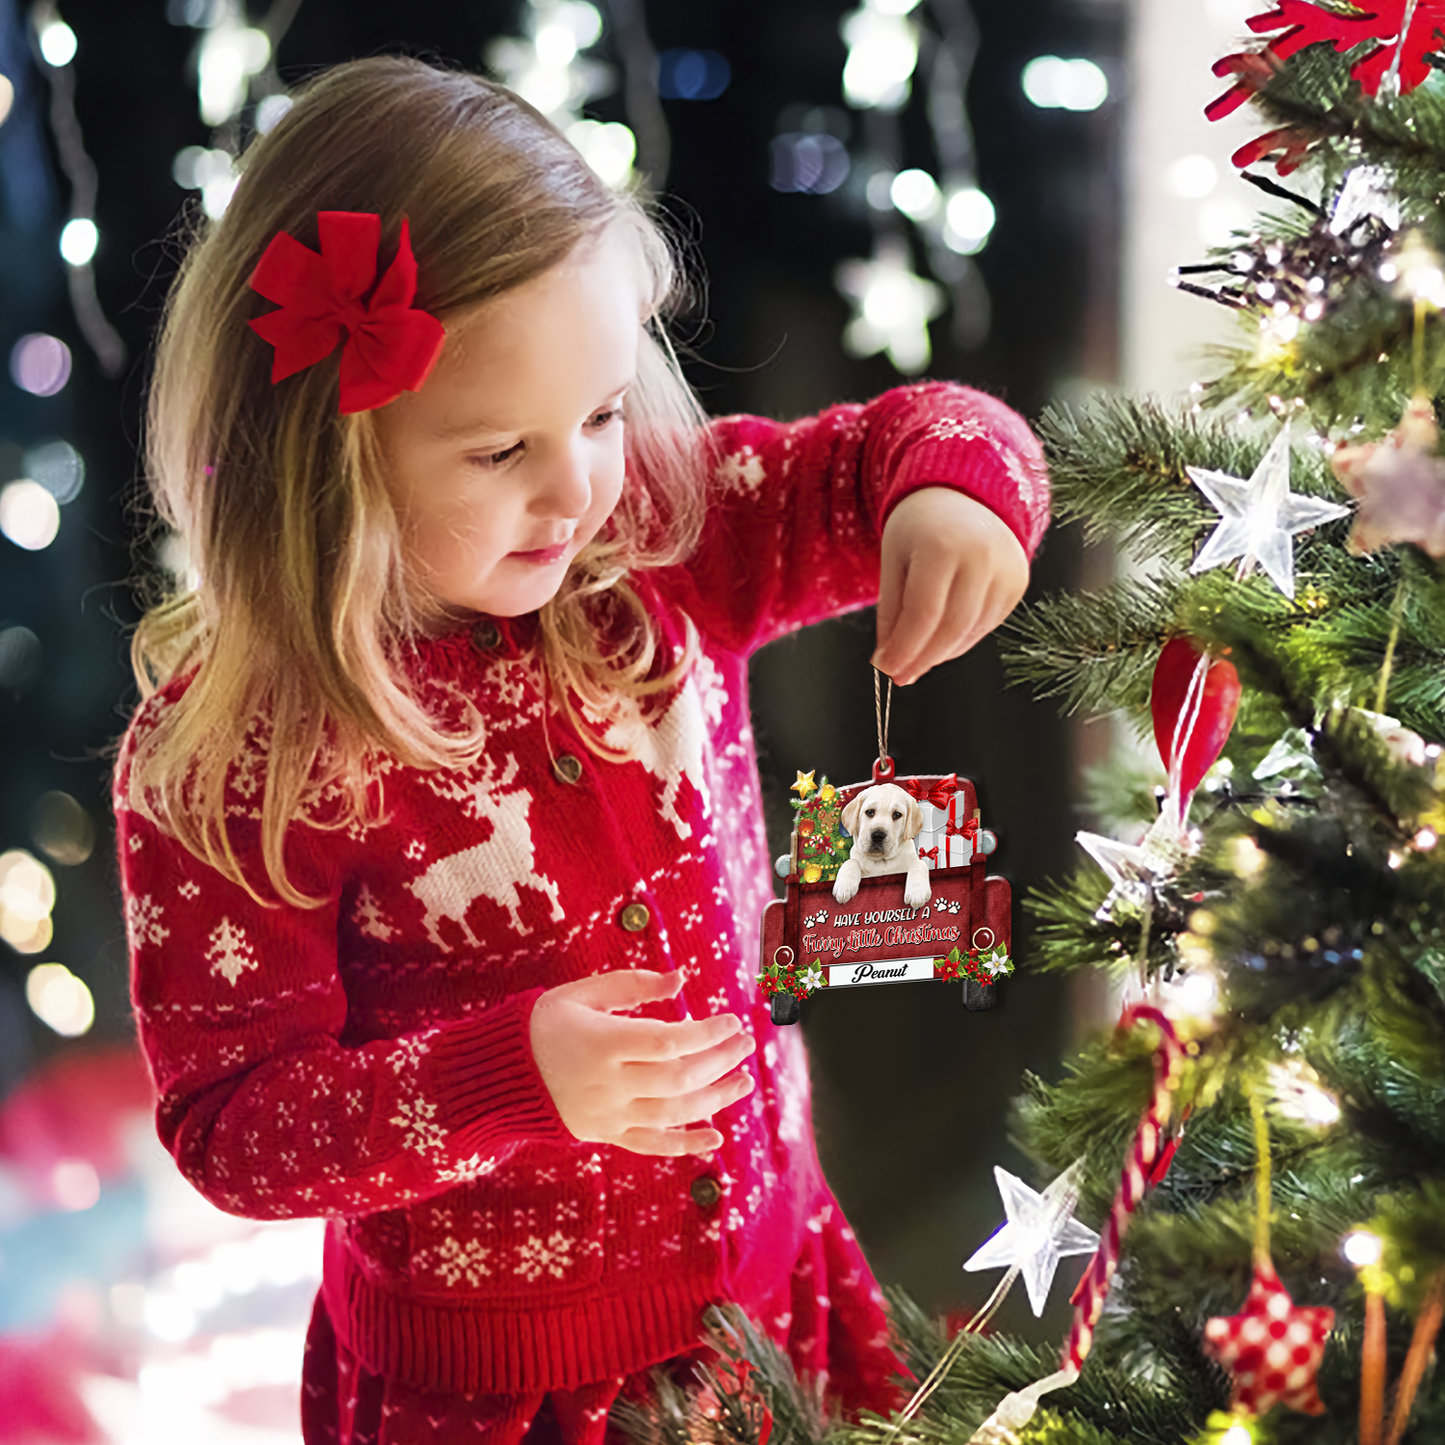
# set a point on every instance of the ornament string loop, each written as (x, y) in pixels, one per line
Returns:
(883, 767)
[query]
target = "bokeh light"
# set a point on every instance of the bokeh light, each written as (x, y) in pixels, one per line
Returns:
(75, 1184)
(1193, 177)
(21, 657)
(269, 111)
(7, 97)
(230, 55)
(916, 194)
(40, 364)
(1362, 1248)
(692, 74)
(882, 54)
(58, 467)
(29, 515)
(968, 221)
(27, 894)
(62, 829)
(212, 172)
(607, 146)
(811, 164)
(59, 999)
(1052, 83)
(58, 43)
(78, 241)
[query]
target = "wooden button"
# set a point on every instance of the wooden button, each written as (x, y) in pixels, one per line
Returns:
(635, 917)
(486, 635)
(567, 768)
(706, 1191)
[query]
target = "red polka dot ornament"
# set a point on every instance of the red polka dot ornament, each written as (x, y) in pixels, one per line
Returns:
(1272, 1348)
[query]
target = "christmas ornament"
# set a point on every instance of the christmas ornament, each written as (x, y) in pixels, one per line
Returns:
(391, 346)
(1041, 1230)
(961, 934)
(1193, 701)
(1259, 517)
(1134, 871)
(1141, 1170)
(803, 784)
(1404, 32)
(1139, 1173)
(1400, 483)
(1272, 1348)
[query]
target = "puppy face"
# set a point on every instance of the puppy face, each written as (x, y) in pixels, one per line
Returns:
(882, 819)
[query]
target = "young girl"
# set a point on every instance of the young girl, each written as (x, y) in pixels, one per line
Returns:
(439, 826)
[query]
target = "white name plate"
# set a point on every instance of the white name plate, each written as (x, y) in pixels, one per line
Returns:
(891, 970)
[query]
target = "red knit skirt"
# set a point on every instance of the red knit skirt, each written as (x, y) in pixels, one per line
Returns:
(825, 1316)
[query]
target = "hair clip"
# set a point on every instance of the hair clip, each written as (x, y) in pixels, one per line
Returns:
(391, 346)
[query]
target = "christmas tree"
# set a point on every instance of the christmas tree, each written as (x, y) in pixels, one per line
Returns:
(1261, 1141)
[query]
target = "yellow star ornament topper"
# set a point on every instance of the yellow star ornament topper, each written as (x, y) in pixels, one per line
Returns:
(804, 784)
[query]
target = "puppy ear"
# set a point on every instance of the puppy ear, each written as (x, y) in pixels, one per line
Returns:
(850, 815)
(915, 818)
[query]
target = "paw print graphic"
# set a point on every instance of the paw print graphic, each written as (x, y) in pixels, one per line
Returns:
(821, 916)
(949, 907)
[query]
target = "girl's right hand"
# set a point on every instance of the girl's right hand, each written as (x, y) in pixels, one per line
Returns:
(637, 1083)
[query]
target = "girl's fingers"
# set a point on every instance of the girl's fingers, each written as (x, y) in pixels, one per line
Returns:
(923, 605)
(695, 1071)
(689, 1108)
(671, 1142)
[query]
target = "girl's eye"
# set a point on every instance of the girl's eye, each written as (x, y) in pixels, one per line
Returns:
(603, 419)
(498, 459)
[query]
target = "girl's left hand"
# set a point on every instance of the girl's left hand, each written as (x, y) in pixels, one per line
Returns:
(952, 570)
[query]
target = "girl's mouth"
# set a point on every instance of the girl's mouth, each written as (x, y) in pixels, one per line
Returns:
(545, 557)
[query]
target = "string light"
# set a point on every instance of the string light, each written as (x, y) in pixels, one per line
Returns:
(1052, 83)
(58, 45)
(547, 66)
(79, 240)
(29, 515)
(59, 999)
(882, 55)
(1299, 1094)
(27, 895)
(7, 97)
(1362, 1248)
(893, 307)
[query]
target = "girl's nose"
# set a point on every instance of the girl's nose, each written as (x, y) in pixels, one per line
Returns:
(564, 486)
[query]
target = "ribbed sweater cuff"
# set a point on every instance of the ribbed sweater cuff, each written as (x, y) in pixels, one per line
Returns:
(486, 1084)
(976, 470)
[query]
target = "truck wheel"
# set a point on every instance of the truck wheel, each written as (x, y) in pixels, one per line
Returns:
(978, 996)
(786, 1008)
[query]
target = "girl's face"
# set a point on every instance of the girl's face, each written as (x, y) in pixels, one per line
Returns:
(509, 459)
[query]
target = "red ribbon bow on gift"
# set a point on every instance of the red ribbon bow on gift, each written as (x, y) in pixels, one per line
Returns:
(940, 795)
(390, 346)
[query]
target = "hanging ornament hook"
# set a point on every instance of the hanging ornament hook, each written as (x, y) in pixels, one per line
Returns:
(883, 764)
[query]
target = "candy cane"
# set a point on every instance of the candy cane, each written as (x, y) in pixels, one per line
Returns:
(1149, 1141)
(1141, 1169)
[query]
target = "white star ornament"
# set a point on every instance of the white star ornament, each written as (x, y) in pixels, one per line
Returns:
(1041, 1230)
(1259, 517)
(1134, 870)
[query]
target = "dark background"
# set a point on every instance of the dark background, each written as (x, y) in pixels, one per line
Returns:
(911, 1092)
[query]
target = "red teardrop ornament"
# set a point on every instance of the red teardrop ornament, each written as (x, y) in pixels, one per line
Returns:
(1217, 708)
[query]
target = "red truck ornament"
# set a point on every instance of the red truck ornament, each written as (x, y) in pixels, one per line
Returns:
(824, 935)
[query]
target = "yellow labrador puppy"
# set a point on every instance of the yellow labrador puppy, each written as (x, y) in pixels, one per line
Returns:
(883, 821)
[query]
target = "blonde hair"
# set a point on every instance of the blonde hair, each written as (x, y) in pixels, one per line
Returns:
(302, 608)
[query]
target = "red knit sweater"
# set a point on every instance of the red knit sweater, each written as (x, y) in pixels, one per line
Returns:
(369, 1060)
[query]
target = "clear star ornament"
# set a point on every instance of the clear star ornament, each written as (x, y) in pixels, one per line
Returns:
(1259, 517)
(1039, 1232)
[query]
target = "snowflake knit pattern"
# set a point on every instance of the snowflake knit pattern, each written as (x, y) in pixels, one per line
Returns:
(369, 1060)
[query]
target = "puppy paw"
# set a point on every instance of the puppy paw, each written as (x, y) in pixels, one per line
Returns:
(843, 889)
(915, 896)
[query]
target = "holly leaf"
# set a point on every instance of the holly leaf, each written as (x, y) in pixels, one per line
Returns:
(1301, 23)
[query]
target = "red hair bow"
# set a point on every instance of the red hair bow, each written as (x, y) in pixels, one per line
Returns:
(390, 346)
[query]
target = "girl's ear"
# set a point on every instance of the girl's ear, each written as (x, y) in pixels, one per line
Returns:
(850, 815)
(915, 818)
